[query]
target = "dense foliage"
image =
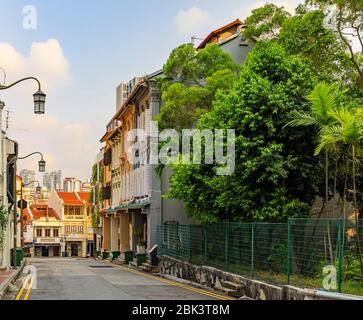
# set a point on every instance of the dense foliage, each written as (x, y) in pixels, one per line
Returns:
(3, 223)
(192, 79)
(303, 68)
(275, 168)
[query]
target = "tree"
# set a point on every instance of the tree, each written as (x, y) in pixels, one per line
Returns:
(265, 22)
(191, 80)
(306, 34)
(275, 176)
(323, 100)
(348, 131)
(345, 18)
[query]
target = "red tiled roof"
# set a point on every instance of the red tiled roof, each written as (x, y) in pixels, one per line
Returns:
(27, 215)
(39, 212)
(84, 196)
(218, 31)
(69, 198)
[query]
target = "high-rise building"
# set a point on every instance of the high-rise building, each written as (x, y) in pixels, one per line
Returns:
(28, 176)
(72, 185)
(53, 181)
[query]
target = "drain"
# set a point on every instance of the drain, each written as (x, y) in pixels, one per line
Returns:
(101, 267)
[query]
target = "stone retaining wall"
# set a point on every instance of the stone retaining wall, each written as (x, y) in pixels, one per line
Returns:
(257, 290)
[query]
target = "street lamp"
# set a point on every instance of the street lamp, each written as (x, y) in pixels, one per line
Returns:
(41, 166)
(13, 196)
(39, 96)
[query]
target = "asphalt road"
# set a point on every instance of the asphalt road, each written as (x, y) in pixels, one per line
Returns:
(87, 279)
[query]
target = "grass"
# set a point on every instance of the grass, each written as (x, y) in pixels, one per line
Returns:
(353, 287)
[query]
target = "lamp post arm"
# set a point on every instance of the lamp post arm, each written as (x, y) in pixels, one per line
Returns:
(28, 184)
(22, 158)
(3, 87)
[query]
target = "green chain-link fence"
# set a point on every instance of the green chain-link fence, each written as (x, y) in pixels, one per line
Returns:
(302, 252)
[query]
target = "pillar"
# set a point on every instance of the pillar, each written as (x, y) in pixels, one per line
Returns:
(154, 215)
(124, 232)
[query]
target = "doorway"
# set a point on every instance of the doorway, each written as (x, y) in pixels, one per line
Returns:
(56, 251)
(74, 250)
(45, 251)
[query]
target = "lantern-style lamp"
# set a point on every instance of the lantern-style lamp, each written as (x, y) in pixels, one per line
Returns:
(41, 166)
(39, 102)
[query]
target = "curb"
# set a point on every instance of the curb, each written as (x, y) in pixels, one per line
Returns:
(175, 279)
(4, 287)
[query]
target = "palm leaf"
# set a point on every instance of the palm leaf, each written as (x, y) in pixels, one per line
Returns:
(301, 119)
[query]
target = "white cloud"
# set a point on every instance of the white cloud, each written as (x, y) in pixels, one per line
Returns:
(289, 5)
(192, 21)
(46, 61)
(66, 146)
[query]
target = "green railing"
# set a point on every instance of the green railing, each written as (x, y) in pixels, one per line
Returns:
(316, 253)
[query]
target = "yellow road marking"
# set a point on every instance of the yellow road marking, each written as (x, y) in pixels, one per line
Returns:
(20, 293)
(26, 297)
(184, 286)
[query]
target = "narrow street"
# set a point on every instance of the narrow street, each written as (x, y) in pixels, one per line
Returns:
(87, 279)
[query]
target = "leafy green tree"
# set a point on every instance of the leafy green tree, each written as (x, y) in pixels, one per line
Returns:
(348, 131)
(345, 18)
(323, 99)
(191, 80)
(265, 22)
(275, 175)
(306, 34)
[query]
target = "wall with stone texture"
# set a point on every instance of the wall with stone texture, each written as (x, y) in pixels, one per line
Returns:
(257, 290)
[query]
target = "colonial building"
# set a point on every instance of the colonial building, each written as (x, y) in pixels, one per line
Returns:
(134, 205)
(230, 38)
(8, 149)
(42, 231)
(97, 201)
(72, 209)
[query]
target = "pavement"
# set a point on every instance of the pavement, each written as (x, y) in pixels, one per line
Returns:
(88, 279)
(7, 280)
(5, 275)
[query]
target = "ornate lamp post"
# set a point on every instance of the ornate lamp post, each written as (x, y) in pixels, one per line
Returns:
(39, 108)
(39, 96)
(12, 196)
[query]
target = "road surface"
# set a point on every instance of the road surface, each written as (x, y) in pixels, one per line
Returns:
(87, 279)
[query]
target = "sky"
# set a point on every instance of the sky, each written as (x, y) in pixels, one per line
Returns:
(81, 50)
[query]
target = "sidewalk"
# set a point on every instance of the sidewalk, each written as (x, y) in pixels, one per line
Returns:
(7, 278)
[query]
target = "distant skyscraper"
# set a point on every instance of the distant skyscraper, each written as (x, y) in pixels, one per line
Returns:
(53, 181)
(72, 185)
(28, 176)
(47, 181)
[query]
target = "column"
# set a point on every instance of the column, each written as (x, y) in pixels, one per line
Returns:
(154, 216)
(125, 232)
